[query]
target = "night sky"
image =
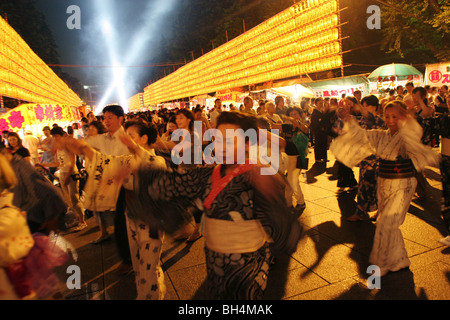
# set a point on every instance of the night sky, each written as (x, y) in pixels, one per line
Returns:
(89, 47)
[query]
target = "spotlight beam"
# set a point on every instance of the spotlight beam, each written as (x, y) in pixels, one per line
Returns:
(144, 34)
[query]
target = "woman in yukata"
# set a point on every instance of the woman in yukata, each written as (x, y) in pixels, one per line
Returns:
(105, 178)
(401, 153)
(368, 168)
(245, 220)
(438, 128)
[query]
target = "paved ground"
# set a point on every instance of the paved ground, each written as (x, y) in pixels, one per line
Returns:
(330, 263)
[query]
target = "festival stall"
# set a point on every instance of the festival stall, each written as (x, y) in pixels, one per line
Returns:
(34, 117)
(391, 76)
(173, 105)
(437, 74)
(290, 90)
(335, 88)
(231, 97)
(202, 100)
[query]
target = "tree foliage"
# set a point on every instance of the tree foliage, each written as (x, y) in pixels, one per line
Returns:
(417, 24)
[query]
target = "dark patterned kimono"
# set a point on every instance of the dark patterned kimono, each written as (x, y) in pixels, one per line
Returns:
(434, 129)
(241, 227)
(367, 185)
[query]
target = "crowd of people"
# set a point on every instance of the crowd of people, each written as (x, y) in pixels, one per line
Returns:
(120, 168)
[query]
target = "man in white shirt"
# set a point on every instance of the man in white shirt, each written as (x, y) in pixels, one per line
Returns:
(408, 98)
(216, 112)
(275, 119)
(32, 144)
(110, 144)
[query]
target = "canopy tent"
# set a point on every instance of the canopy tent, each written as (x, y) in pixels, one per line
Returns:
(395, 69)
(391, 76)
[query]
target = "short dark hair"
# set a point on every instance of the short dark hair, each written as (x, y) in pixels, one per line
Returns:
(242, 120)
(422, 90)
(352, 99)
(57, 131)
(278, 99)
(409, 84)
(114, 109)
(371, 100)
(144, 129)
(288, 111)
(100, 127)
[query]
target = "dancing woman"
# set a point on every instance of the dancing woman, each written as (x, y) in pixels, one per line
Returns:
(246, 217)
(144, 237)
(401, 153)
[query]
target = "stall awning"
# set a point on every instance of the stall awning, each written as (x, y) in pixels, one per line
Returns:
(296, 90)
(335, 88)
(341, 82)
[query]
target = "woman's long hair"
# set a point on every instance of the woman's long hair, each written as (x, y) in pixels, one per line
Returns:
(7, 176)
(188, 114)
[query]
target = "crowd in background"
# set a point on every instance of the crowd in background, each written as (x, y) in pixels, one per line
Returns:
(307, 127)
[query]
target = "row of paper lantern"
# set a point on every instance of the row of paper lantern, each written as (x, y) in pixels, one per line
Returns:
(135, 102)
(259, 75)
(18, 93)
(283, 56)
(316, 23)
(9, 77)
(14, 48)
(30, 68)
(281, 68)
(295, 46)
(25, 76)
(258, 56)
(311, 35)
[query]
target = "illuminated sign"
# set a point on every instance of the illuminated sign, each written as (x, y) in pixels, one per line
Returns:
(36, 114)
(302, 39)
(437, 75)
(24, 76)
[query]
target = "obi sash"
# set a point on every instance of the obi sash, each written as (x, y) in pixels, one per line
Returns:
(398, 169)
(238, 235)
